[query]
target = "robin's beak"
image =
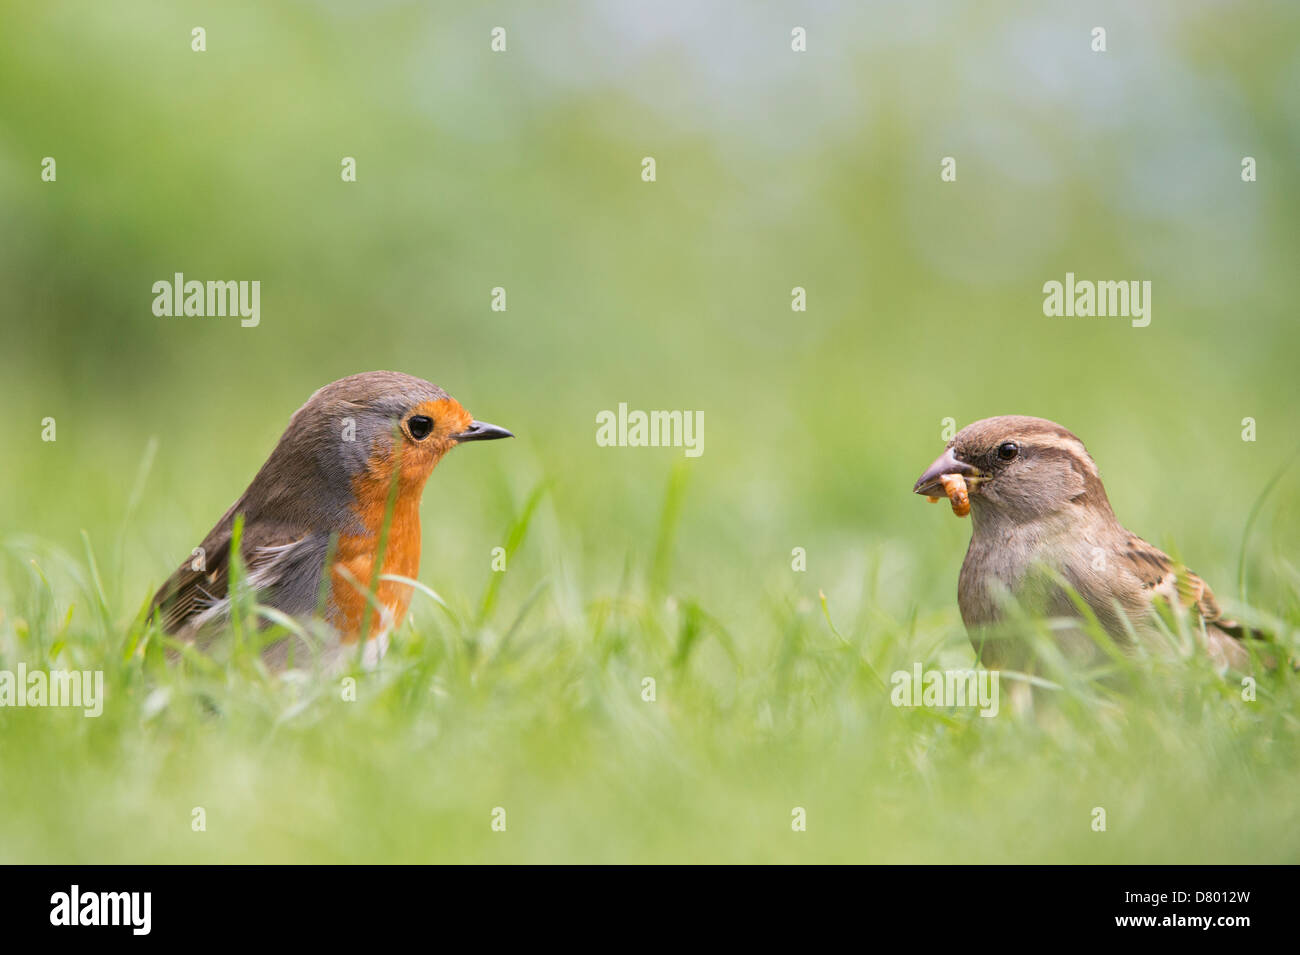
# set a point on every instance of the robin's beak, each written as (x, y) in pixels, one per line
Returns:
(481, 431)
(931, 484)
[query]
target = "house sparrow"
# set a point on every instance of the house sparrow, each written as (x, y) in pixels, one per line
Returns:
(1040, 518)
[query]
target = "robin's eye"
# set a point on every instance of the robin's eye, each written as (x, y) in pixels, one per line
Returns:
(1008, 450)
(420, 426)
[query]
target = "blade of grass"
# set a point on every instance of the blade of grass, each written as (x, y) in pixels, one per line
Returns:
(668, 517)
(101, 602)
(514, 540)
(1250, 523)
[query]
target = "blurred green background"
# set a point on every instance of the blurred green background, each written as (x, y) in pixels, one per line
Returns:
(522, 169)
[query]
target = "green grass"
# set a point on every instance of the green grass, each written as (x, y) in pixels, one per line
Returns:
(532, 703)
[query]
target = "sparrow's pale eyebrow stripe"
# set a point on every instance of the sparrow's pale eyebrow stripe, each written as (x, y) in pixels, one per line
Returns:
(1070, 445)
(1072, 451)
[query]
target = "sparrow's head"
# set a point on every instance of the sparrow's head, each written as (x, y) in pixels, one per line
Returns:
(356, 430)
(1018, 468)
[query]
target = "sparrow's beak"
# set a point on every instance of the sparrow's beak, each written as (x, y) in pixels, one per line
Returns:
(930, 483)
(481, 431)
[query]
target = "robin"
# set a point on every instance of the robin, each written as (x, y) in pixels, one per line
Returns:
(354, 458)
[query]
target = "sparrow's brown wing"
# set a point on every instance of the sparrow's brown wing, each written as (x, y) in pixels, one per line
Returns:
(1163, 579)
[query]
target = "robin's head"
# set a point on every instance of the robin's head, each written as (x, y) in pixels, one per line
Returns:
(356, 430)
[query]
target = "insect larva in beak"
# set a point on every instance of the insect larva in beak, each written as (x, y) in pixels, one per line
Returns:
(955, 486)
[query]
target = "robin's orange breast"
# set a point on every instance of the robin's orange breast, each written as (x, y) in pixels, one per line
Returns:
(357, 553)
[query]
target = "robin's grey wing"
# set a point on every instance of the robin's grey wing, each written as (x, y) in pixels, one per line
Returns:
(198, 584)
(283, 566)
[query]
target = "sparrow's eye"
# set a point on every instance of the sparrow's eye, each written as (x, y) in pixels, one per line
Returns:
(1008, 450)
(420, 426)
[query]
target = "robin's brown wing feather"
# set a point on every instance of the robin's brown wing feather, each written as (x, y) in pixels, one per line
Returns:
(190, 591)
(189, 595)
